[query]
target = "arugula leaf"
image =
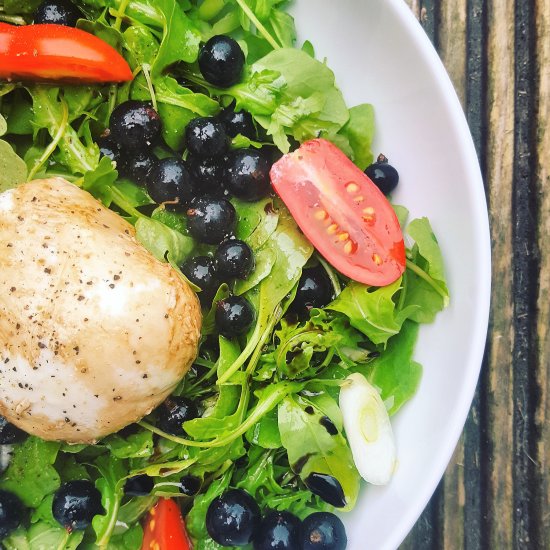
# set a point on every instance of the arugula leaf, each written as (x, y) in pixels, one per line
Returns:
(310, 104)
(359, 131)
(98, 182)
(425, 288)
(43, 536)
(311, 448)
(31, 475)
(395, 372)
(137, 445)
(372, 310)
(293, 251)
(13, 169)
(180, 40)
(20, 7)
(265, 433)
(111, 487)
(141, 44)
(3, 126)
(428, 247)
(178, 106)
(51, 112)
(162, 241)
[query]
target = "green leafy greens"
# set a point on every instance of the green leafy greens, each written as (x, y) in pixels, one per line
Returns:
(262, 397)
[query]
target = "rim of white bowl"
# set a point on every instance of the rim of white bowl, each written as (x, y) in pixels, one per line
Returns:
(482, 254)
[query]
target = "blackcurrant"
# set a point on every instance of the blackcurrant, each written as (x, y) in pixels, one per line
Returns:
(135, 125)
(234, 316)
(221, 61)
(323, 531)
(174, 412)
(206, 138)
(238, 122)
(57, 12)
(169, 182)
(383, 175)
(248, 174)
(233, 518)
(314, 290)
(76, 503)
(234, 259)
(210, 220)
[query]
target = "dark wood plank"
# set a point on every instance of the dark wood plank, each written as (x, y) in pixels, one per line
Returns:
(496, 492)
(542, 54)
(526, 262)
(475, 456)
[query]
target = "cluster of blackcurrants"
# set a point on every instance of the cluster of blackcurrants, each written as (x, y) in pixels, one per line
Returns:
(234, 519)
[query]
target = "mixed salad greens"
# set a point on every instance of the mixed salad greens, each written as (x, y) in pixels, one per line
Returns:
(267, 402)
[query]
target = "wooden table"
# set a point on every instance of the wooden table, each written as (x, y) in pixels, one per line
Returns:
(496, 492)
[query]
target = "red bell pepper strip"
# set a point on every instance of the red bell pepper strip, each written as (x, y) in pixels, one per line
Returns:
(56, 52)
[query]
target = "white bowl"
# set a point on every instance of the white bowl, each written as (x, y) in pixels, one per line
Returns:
(381, 55)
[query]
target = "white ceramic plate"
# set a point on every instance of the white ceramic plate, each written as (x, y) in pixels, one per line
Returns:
(381, 55)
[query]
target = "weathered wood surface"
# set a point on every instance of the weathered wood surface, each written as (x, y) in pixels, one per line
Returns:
(496, 492)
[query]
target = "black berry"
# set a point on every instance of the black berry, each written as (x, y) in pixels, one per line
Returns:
(234, 316)
(135, 125)
(248, 174)
(233, 518)
(57, 12)
(211, 220)
(76, 503)
(174, 412)
(314, 290)
(323, 531)
(11, 513)
(221, 61)
(169, 182)
(206, 138)
(383, 175)
(234, 259)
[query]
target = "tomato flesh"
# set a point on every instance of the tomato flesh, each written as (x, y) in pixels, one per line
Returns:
(55, 52)
(165, 528)
(340, 210)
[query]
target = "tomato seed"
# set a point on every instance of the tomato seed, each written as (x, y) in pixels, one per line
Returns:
(352, 187)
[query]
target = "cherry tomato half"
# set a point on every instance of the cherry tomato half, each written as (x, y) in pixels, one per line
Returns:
(56, 52)
(165, 528)
(342, 213)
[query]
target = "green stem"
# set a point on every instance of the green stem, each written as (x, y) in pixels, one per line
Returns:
(331, 275)
(277, 314)
(103, 542)
(147, 74)
(12, 19)
(261, 409)
(120, 200)
(256, 22)
(403, 294)
(423, 275)
(210, 9)
(120, 14)
(54, 143)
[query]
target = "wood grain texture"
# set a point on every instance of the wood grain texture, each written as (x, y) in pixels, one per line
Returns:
(542, 501)
(496, 492)
(499, 177)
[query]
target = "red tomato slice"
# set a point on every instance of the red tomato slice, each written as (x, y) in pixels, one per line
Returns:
(344, 215)
(56, 52)
(165, 528)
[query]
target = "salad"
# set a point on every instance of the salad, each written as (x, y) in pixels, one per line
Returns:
(231, 151)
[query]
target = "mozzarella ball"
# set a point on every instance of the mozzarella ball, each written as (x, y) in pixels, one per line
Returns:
(94, 331)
